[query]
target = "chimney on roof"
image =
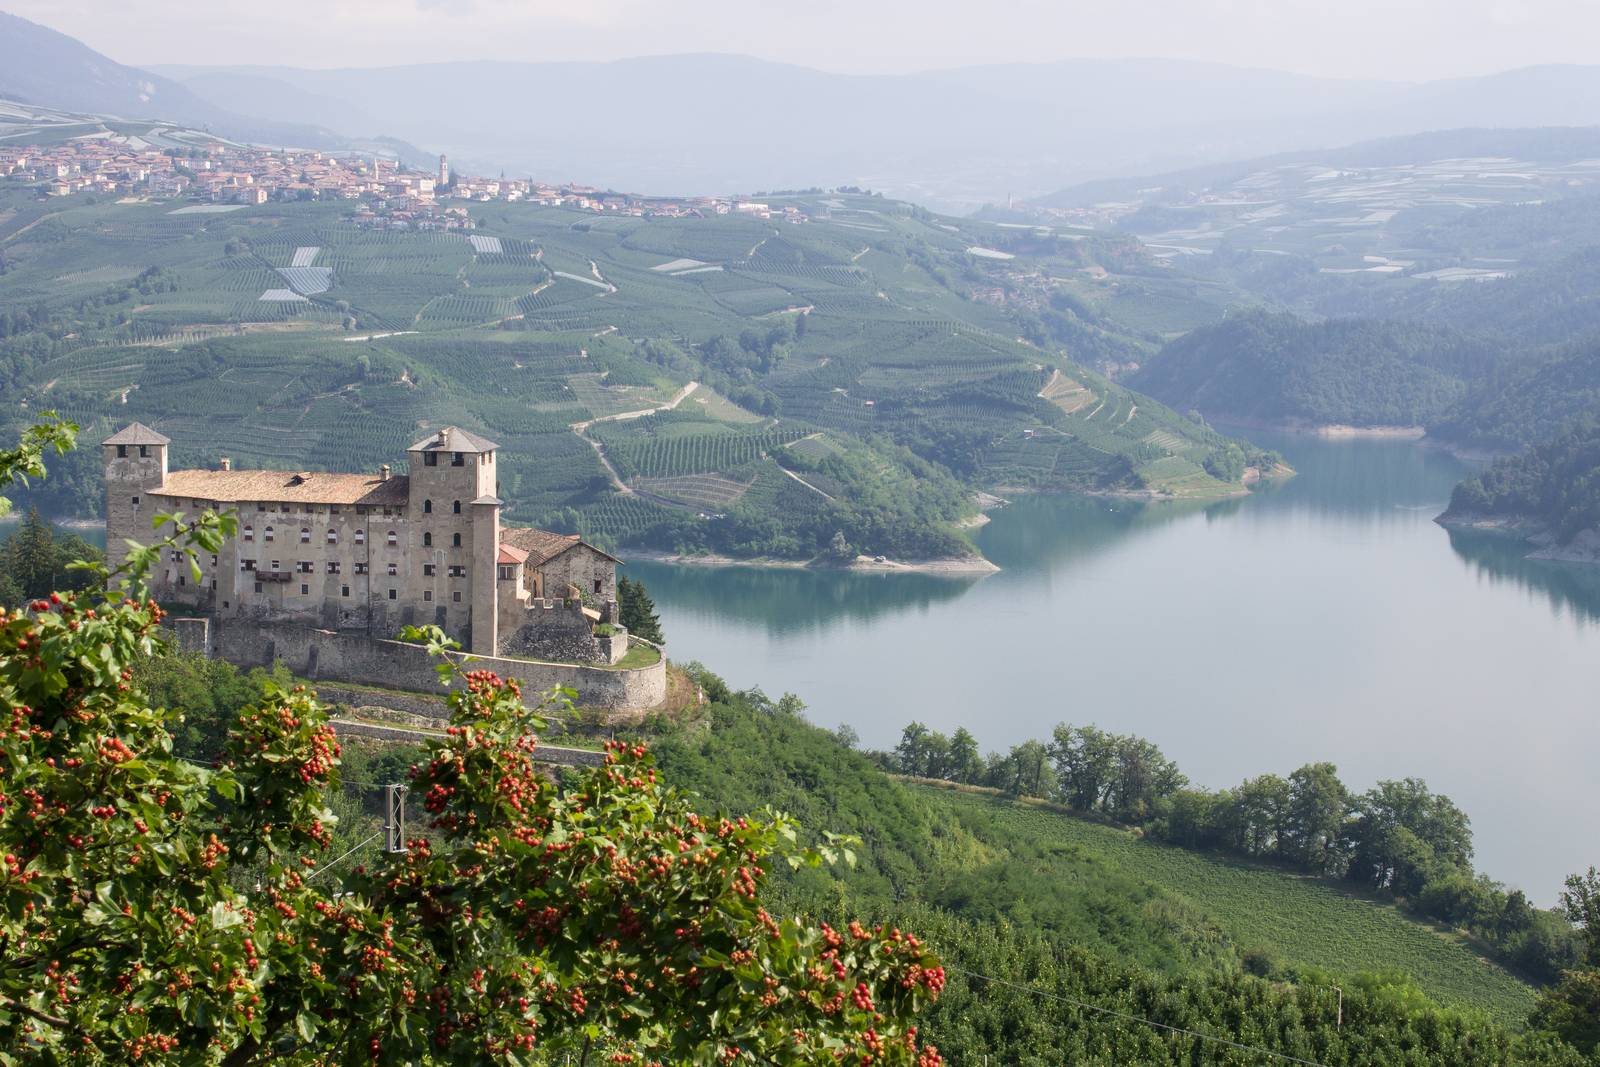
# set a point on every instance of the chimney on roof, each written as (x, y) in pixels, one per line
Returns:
(227, 464)
(383, 473)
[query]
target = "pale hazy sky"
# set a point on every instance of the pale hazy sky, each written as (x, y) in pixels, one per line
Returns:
(1399, 39)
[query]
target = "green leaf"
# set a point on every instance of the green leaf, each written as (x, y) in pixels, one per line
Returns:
(305, 1026)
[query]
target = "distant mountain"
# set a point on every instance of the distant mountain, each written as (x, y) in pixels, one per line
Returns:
(721, 123)
(949, 138)
(42, 67)
(1551, 143)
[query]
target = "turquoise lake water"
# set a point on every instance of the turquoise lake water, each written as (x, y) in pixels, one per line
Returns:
(1327, 619)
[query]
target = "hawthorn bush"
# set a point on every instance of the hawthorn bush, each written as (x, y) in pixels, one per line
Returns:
(530, 921)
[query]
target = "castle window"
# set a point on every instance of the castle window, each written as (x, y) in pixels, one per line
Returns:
(304, 589)
(394, 538)
(181, 580)
(249, 533)
(261, 507)
(392, 594)
(304, 566)
(429, 570)
(135, 501)
(427, 594)
(455, 539)
(458, 572)
(333, 537)
(283, 508)
(427, 507)
(213, 561)
(332, 510)
(276, 566)
(266, 535)
(258, 587)
(144, 451)
(305, 536)
(427, 539)
(505, 574)
(247, 564)
(213, 585)
(361, 568)
(597, 585)
(361, 536)
(333, 566)
(122, 451)
(457, 507)
(456, 596)
(430, 459)
(361, 509)
(394, 569)
(457, 459)
(344, 590)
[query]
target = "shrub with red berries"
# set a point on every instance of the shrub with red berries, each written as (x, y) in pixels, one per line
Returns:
(528, 918)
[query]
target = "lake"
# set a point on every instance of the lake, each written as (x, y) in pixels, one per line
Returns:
(1326, 619)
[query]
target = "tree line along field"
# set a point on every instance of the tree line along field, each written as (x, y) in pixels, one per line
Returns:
(872, 322)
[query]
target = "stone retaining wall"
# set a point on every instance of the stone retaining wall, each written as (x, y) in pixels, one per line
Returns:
(327, 655)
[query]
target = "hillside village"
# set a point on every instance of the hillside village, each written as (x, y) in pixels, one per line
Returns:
(398, 196)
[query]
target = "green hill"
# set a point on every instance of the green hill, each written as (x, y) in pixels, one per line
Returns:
(892, 359)
(1276, 368)
(1551, 491)
(995, 861)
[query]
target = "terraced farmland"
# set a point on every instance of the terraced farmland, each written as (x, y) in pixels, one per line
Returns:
(850, 348)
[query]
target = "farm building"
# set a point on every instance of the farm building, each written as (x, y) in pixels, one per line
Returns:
(373, 553)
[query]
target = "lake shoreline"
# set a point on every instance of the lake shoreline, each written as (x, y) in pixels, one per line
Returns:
(960, 566)
(1533, 533)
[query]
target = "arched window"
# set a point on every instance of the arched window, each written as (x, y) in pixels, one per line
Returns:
(266, 535)
(305, 535)
(427, 540)
(361, 536)
(249, 533)
(457, 506)
(394, 538)
(333, 537)
(455, 539)
(427, 507)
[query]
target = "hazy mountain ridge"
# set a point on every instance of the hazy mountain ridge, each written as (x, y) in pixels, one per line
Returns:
(39, 66)
(950, 138)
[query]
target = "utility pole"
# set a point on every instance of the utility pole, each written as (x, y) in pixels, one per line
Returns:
(394, 818)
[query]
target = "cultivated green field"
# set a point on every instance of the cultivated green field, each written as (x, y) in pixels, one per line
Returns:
(1298, 920)
(285, 335)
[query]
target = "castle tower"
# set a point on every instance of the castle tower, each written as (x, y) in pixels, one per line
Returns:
(136, 462)
(457, 529)
(444, 170)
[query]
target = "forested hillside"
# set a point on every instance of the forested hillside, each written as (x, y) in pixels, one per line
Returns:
(1552, 488)
(725, 383)
(1277, 368)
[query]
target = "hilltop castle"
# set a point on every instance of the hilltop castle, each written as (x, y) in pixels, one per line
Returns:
(369, 554)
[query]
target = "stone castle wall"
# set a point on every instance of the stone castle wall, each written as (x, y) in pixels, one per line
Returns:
(355, 658)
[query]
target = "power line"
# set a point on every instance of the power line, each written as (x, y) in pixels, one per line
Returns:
(359, 844)
(1285, 1057)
